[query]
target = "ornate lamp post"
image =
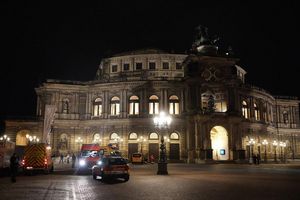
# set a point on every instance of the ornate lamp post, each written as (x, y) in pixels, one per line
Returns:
(282, 146)
(265, 143)
(251, 144)
(162, 121)
(32, 139)
(275, 147)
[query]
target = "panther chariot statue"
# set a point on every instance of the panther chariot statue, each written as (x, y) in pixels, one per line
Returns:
(203, 44)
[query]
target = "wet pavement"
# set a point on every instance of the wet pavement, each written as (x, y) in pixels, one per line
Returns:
(185, 181)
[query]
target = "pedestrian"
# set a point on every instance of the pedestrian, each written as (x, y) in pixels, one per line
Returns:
(152, 158)
(258, 158)
(68, 158)
(61, 158)
(14, 165)
(254, 158)
(73, 160)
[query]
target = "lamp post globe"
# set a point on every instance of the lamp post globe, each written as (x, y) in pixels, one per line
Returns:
(162, 121)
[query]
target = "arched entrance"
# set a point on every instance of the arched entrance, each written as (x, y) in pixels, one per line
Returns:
(219, 143)
(21, 137)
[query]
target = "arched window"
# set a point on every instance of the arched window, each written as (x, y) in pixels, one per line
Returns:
(174, 136)
(98, 107)
(256, 112)
(153, 136)
(133, 105)
(153, 105)
(173, 105)
(115, 106)
(285, 117)
(132, 136)
(96, 138)
(114, 136)
(65, 106)
(245, 109)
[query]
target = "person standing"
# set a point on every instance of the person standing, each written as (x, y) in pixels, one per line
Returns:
(61, 158)
(73, 160)
(14, 165)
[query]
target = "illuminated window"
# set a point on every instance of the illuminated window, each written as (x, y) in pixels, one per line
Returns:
(174, 136)
(133, 136)
(152, 65)
(153, 136)
(153, 105)
(133, 105)
(256, 112)
(245, 109)
(173, 105)
(115, 106)
(97, 107)
(220, 106)
(114, 136)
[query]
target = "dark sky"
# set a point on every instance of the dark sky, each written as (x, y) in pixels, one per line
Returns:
(67, 41)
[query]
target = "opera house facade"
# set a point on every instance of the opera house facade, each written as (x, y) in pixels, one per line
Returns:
(215, 116)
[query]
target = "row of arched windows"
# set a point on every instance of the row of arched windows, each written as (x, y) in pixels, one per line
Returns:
(246, 111)
(134, 136)
(134, 105)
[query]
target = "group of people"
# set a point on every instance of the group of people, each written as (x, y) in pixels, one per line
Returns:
(68, 157)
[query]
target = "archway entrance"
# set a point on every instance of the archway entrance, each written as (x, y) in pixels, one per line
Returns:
(219, 143)
(21, 137)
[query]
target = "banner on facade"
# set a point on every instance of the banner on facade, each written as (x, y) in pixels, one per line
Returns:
(48, 121)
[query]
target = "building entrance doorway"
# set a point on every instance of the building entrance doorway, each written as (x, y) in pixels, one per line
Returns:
(219, 143)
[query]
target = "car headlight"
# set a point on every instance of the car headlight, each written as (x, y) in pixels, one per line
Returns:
(81, 162)
(99, 162)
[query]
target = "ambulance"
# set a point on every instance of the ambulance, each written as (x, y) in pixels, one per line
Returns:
(37, 157)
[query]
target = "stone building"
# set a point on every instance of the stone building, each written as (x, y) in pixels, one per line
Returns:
(215, 115)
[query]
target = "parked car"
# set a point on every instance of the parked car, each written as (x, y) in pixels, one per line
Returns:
(111, 167)
(137, 158)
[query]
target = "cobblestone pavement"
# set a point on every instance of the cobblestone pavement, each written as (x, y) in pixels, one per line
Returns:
(185, 181)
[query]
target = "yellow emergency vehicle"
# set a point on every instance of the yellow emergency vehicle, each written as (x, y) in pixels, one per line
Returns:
(37, 157)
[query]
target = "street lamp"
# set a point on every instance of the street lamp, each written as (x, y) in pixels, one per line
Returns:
(282, 145)
(4, 139)
(79, 141)
(275, 143)
(265, 143)
(32, 139)
(251, 144)
(141, 140)
(162, 121)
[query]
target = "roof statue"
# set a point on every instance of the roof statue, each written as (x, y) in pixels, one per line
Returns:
(203, 44)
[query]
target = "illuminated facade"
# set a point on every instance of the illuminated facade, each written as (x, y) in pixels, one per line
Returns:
(214, 113)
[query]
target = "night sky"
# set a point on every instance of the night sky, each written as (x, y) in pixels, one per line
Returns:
(49, 40)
